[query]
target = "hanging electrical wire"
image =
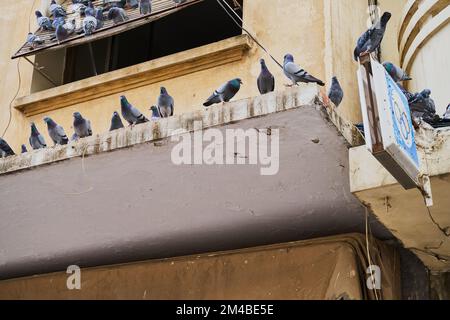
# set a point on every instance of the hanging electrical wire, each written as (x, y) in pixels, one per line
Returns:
(243, 27)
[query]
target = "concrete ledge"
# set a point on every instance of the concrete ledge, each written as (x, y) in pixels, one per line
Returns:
(164, 128)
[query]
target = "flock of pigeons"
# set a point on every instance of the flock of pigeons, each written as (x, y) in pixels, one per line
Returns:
(421, 104)
(93, 18)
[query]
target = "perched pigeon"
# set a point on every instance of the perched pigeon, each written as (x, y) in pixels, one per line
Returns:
(65, 31)
(422, 106)
(165, 104)
(100, 18)
(297, 74)
(57, 10)
(409, 96)
(43, 22)
(155, 113)
(56, 132)
(116, 122)
(36, 139)
(34, 40)
(447, 113)
(178, 2)
(59, 21)
(5, 149)
(371, 39)
(81, 126)
(118, 15)
(395, 72)
(130, 113)
(225, 93)
(90, 10)
(145, 6)
(336, 94)
(133, 4)
(89, 24)
(265, 81)
(24, 149)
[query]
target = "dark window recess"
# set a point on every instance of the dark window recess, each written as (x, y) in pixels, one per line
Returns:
(195, 26)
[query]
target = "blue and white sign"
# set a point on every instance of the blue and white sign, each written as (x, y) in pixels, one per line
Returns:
(401, 120)
(392, 121)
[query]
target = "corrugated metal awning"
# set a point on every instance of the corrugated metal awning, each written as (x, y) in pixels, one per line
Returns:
(160, 8)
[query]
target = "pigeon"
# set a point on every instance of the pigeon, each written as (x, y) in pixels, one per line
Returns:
(34, 40)
(58, 21)
(447, 113)
(396, 73)
(89, 24)
(265, 81)
(5, 149)
(225, 93)
(133, 4)
(370, 40)
(422, 106)
(56, 132)
(43, 22)
(118, 15)
(130, 113)
(155, 113)
(116, 122)
(24, 149)
(165, 104)
(336, 94)
(145, 6)
(100, 18)
(81, 126)
(178, 2)
(89, 10)
(65, 31)
(36, 139)
(297, 74)
(57, 10)
(409, 96)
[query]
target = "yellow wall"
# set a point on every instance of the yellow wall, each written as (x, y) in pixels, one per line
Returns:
(321, 35)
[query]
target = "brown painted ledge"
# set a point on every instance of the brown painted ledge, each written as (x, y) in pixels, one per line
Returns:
(305, 95)
(158, 70)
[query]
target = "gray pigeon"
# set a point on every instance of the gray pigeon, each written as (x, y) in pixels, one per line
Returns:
(145, 6)
(90, 10)
(422, 106)
(5, 149)
(370, 40)
(130, 113)
(117, 15)
(89, 24)
(297, 74)
(57, 10)
(395, 72)
(155, 113)
(133, 4)
(178, 2)
(36, 139)
(265, 81)
(56, 132)
(81, 126)
(336, 94)
(100, 18)
(65, 31)
(165, 104)
(225, 93)
(59, 21)
(34, 40)
(447, 113)
(116, 122)
(43, 22)
(24, 149)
